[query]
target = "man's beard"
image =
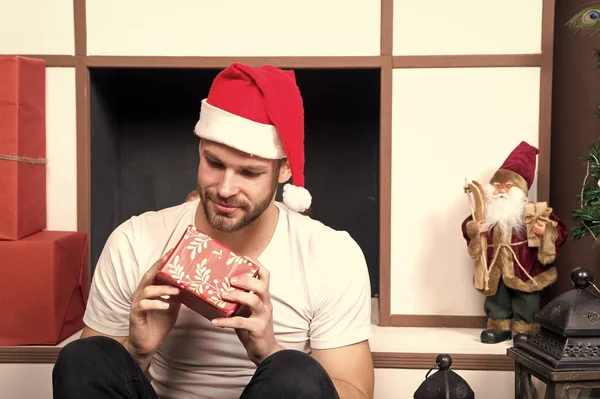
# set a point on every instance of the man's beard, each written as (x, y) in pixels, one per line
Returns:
(226, 223)
(506, 210)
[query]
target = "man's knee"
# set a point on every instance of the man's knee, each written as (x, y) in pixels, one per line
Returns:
(294, 359)
(292, 373)
(86, 352)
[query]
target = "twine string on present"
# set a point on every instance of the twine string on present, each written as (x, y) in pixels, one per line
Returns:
(35, 161)
(532, 218)
(516, 259)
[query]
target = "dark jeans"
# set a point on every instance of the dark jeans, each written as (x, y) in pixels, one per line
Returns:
(101, 368)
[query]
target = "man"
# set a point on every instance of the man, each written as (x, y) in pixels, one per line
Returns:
(517, 272)
(307, 336)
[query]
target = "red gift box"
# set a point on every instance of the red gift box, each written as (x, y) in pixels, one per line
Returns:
(44, 287)
(22, 146)
(202, 268)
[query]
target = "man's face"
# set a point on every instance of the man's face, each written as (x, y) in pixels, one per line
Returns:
(236, 188)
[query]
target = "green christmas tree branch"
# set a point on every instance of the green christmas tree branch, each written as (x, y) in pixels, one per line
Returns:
(587, 217)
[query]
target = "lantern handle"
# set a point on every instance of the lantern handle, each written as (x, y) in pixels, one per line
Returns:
(437, 365)
(592, 284)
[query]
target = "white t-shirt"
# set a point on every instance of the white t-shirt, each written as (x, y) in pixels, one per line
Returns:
(319, 287)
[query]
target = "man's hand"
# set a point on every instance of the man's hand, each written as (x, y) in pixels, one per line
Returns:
(539, 228)
(255, 332)
(151, 317)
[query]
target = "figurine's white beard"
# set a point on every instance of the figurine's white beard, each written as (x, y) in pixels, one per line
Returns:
(505, 211)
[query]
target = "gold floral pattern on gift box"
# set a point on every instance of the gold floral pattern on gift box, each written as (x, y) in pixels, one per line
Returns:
(189, 267)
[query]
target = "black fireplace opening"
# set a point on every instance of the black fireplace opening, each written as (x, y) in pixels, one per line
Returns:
(144, 155)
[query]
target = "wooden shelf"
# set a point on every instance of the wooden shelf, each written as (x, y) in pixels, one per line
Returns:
(392, 348)
(425, 361)
(34, 353)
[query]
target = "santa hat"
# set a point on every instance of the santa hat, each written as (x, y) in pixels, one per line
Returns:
(259, 110)
(519, 167)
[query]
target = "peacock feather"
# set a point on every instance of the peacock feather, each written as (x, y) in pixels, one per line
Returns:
(586, 21)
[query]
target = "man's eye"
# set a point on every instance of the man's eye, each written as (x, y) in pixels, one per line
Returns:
(214, 164)
(248, 173)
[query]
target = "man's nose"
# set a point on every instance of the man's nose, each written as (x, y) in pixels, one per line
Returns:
(227, 186)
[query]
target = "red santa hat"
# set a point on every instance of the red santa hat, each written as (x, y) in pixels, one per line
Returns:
(259, 110)
(519, 167)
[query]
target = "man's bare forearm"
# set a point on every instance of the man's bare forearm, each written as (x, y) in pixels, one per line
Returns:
(348, 391)
(142, 361)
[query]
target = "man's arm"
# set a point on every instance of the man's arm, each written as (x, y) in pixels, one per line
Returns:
(89, 332)
(351, 369)
(143, 363)
(149, 319)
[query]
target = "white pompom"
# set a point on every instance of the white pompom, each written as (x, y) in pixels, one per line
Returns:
(297, 199)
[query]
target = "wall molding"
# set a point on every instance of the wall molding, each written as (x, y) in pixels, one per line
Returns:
(222, 62)
(381, 360)
(425, 361)
(385, 193)
(80, 26)
(55, 60)
(467, 61)
(545, 121)
(438, 321)
(381, 61)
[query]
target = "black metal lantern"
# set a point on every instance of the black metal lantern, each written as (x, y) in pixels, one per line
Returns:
(569, 336)
(444, 384)
(565, 354)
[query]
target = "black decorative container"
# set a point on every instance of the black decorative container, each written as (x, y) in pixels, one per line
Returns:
(444, 384)
(569, 336)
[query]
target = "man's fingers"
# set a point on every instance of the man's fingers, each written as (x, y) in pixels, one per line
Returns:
(155, 291)
(237, 322)
(245, 298)
(257, 286)
(148, 277)
(147, 305)
(249, 284)
(263, 274)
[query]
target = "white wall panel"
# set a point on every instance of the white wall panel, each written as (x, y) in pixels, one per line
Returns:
(237, 27)
(448, 125)
(467, 27)
(61, 149)
(36, 27)
(26, 381)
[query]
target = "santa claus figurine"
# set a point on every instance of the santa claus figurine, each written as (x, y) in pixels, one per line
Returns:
(514, 244)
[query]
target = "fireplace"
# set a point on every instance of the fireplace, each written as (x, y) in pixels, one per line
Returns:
(144, 155)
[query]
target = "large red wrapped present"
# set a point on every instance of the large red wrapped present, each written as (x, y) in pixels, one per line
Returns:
(22, 146)
(44, 287)
(202, 268)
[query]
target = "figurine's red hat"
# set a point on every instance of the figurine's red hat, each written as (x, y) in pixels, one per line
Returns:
(519, 167)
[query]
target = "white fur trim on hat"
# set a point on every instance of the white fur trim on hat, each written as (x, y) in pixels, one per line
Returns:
(237, 132)
(296, 198)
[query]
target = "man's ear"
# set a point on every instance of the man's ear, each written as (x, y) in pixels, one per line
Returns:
(284, 171)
